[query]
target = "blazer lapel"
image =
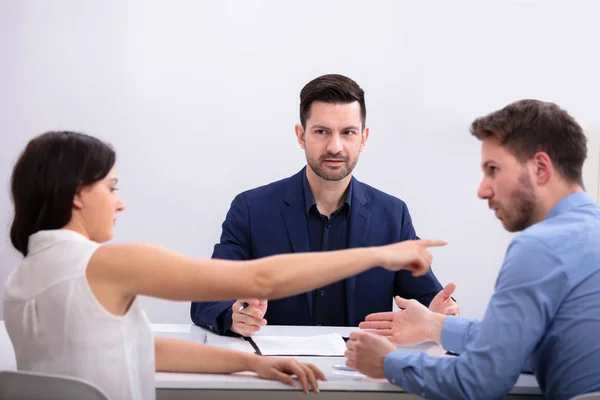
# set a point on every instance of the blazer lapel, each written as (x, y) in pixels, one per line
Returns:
(357, 237)
(296, 223)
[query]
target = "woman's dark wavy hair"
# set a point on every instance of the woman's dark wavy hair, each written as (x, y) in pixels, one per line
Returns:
(49, 172)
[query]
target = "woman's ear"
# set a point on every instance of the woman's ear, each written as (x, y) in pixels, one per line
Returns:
(77, 200)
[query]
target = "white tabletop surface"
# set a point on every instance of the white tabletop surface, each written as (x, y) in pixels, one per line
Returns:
(337, 380)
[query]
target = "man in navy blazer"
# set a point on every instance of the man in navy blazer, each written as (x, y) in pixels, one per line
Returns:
(321, 208)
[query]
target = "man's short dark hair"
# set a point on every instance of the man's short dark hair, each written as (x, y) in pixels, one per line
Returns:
(333, 89)
(526, 127)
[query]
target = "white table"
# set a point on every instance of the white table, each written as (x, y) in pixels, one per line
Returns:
(340, 384)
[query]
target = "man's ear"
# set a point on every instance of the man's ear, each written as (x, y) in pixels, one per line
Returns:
(364, 137)
(300, 135)
(543, 168)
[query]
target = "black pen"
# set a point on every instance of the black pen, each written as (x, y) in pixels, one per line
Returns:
(244, 305)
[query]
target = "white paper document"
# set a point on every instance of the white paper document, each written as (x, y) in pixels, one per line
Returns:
(319, 345)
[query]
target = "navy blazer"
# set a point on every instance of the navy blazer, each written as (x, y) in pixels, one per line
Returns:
(272, 220)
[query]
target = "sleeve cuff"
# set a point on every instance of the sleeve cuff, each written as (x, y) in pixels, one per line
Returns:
(225, 322)
(388, 368)
(453, 333)
(393, 365)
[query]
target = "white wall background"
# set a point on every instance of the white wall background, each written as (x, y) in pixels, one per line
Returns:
(200, 98)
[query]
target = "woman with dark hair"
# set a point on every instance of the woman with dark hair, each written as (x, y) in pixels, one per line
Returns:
(71, 308)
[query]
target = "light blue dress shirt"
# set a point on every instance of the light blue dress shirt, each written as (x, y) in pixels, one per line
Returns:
(544, 314)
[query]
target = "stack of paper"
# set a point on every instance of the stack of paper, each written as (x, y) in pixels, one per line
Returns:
(320, 345)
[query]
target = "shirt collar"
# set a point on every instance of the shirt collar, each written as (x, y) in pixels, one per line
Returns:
(309, 200)
(43, 239)
(569, 203)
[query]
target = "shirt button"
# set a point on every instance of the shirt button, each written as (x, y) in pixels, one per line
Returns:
(329, 225)
(211, 327)
(322, 293)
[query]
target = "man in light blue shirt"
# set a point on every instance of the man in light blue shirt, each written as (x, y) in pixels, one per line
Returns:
(545, 312)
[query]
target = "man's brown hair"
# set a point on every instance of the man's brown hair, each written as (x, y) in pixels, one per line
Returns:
(333, 89)
(526, 127)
